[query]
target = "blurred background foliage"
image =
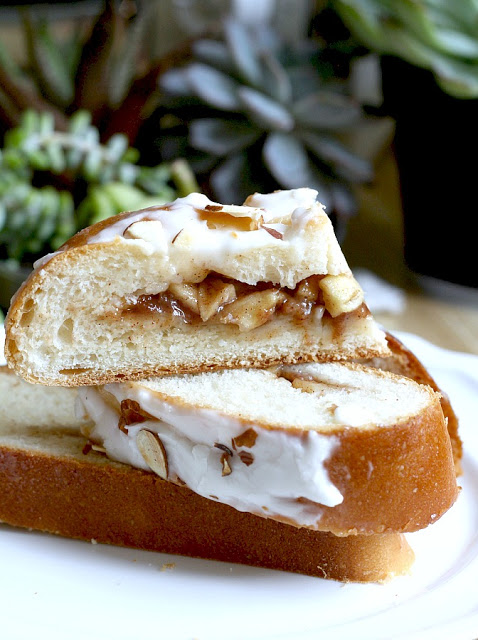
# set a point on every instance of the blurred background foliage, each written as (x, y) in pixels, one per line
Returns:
(252, 104)
(113, 105)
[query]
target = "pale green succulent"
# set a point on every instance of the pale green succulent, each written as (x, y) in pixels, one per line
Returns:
(53, 183)
(439, 35)
(263, 116)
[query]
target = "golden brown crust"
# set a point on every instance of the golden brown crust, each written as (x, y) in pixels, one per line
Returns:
(84, 378)
(92, 498)
(403, 362)
(393, 479)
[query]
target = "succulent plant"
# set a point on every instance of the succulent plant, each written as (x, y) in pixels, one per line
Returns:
(435, 34)
(260, 115)
(106, 70)
(53, 183)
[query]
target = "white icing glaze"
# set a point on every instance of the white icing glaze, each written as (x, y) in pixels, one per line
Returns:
(185, 243)
(293, 208)
(286, 466)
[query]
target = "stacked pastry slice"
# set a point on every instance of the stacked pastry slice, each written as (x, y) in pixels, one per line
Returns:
(208, 342)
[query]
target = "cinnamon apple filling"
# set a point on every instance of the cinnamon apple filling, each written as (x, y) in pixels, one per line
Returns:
(218, 299)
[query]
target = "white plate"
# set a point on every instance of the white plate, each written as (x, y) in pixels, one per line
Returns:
(57, 589)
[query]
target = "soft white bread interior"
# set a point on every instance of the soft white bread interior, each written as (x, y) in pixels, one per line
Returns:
(334, 447)
(49, 484)
(24, 405)
(189, 287)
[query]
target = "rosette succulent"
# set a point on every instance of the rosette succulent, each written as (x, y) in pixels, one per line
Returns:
(439, 35)
(53, 183)
(260, 115)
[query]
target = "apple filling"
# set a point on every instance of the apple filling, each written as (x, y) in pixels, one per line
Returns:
(218, 299)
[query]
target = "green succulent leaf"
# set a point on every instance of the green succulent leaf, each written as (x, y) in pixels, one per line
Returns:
(117, 146)
(80, 121)
(183, 177)
(243, 51)
(33, 219)
(48, 63)
(222, 137)
(123, 66)
(275, 78)
(345, 164)
(265, 111)
(232, 180)
(272, 95)
(327, 110)
(287, 160)
(3, 215)
(214, 54)
(176, 83)
(7, 62)
(437, 35)
(214, 87)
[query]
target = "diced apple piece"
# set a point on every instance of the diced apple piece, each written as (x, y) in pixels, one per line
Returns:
(252, 310)
(309, 289)
(342, 294)
(186, 294)
(213, 295)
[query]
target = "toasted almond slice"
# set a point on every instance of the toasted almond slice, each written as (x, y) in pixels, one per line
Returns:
(342, 294)
(226, 467)
(186, 294)
(252, 310)
(245, 439)
(273, 232)
(213, 295)
(184, 239)
(232, 216)
(149, 230)
(153, 452)
(98, 448)
(239, 211)
(222, 220)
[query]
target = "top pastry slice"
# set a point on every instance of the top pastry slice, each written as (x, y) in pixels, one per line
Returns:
(188, 287)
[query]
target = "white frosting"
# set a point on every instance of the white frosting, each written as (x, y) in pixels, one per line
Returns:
(285, 466)
(186, 240)
(277, 207)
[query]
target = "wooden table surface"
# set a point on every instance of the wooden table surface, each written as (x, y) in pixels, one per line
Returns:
(448, 324)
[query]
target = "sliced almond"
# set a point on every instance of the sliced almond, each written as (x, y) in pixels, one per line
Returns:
(131, 413)
(184, 239)
(245, 439)
(252, 310)
(98, 448)
(149, 230)
(226, 467)
(186, 294)
(342, 294)
(246, 457)
(91, 446)
(153, 452)
(239, 211)
(213, 295)
(232, 216)
(273, 232)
